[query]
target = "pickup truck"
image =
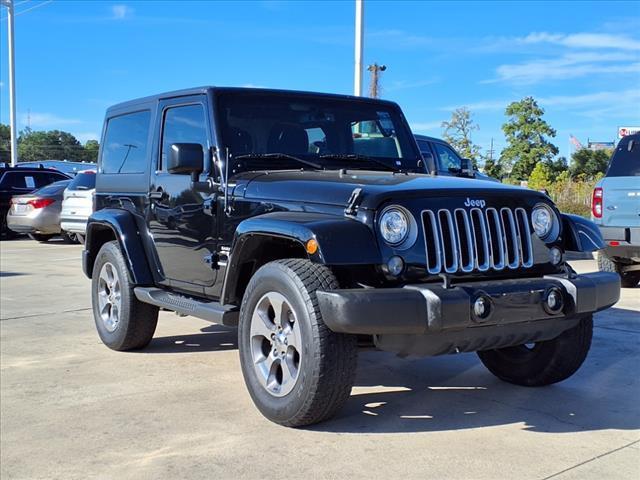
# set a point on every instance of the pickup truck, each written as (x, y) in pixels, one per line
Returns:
(308, 221)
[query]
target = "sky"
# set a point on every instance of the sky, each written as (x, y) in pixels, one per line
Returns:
(580, 60)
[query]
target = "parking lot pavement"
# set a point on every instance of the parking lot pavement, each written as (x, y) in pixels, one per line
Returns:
(71, 408)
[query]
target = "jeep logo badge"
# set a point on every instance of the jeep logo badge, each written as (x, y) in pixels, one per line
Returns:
(474, 203)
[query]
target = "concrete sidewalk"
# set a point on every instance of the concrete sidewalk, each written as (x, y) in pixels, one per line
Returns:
(71, 408)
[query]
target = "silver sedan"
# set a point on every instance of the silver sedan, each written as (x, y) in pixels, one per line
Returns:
(38, 213)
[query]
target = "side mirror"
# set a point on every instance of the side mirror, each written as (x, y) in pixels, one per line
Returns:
(466, 168)
(185, 159)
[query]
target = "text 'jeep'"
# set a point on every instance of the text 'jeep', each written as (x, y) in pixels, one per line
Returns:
(311, 222)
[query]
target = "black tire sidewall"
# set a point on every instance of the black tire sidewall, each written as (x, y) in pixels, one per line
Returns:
(280, 409)
(111, 253)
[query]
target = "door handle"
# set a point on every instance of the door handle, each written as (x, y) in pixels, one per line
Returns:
(156, 195)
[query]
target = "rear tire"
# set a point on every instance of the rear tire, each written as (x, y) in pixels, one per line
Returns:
(123, 322)
(627, 279)
(39, 237)
(297, 371)
(80, 238)
(547, 362)
(67, 237)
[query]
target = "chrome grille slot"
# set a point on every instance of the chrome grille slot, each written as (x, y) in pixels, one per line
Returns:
(524, 237)
(481, 240)
(512, 250)
(432, 242)
(474, 240)
(496, 239)
(465, 240)
(448, 241)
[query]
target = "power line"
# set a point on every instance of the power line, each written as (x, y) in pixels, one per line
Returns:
(46, 2)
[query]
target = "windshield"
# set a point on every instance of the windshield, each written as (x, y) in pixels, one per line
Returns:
(293, 131)
(83, 181)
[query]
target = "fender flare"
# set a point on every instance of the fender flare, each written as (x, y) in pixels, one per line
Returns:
(341, 241)
(580, 234)
(122, 225)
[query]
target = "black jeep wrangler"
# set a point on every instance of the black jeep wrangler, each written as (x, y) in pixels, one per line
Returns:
(311, 222)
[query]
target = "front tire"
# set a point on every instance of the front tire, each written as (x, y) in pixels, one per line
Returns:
(123, 322)
(546, 362)
(627, 279)
(297, 371)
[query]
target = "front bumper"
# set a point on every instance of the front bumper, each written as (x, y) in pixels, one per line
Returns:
(432, 309)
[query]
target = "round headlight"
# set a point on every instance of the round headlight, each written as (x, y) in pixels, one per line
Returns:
(544, 222)
(394, 226)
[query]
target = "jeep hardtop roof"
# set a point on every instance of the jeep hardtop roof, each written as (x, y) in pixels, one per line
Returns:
(139, 102)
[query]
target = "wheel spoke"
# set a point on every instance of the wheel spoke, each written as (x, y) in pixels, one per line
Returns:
(289, 369)
(260, 325)
(278, 304)
(264, 367)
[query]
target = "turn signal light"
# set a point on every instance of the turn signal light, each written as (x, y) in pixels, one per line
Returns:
(312, 246)
(596, 202)
(40, 202)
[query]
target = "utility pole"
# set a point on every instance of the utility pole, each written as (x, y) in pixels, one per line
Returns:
(12, 82)
(491, 150)
(374, 88)
(359, 45)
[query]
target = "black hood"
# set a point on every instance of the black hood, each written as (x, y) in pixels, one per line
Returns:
(335, 187)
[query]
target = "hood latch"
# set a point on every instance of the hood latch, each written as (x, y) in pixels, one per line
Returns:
(353, 202)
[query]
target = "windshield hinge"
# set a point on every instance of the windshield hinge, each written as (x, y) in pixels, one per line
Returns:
(354, 202)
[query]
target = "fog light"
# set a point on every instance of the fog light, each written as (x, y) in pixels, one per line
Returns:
(553, 300)
(395, 265)
(555, 255)
(481, 308)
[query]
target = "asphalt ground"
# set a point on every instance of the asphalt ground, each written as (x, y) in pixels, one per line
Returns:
(72, 408)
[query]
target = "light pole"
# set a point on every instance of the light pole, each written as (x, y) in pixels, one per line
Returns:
(12, 83)
(357, 78)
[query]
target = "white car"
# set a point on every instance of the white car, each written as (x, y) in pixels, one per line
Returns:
(77, 204)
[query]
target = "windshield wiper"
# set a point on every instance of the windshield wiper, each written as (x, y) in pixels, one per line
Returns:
(283, 156)
(354, 156)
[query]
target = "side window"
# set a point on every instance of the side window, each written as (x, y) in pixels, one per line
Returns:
(423, 146)
(29, 182)
(447, 158)
(185, 124)
(125, 144)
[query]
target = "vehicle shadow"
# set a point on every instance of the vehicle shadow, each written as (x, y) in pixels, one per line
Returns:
(213, 338)
(11, 274)
(394, 395)
(455, 392)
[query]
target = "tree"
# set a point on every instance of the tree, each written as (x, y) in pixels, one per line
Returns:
(526, 133)
(5, 143)
(51, 145)
(91, 148)
(492, 168)
(457, 132)
(589, 163)
(541, 177)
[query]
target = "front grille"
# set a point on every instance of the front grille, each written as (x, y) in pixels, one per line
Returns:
(476, 240)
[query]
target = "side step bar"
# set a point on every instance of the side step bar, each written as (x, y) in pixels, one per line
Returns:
(211, 311)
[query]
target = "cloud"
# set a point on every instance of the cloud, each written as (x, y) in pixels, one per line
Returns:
(583, 40)
(567, 66)
(426, 126)
(121, 12)
(404, 84)
(46, 120)
(600, 100)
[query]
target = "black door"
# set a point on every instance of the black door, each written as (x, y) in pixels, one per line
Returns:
(182, 220)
